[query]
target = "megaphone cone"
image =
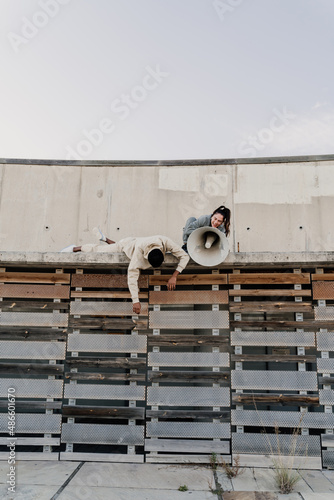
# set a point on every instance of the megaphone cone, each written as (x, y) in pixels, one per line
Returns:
(207, 246)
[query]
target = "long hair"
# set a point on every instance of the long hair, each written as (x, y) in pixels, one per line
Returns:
(226, 213)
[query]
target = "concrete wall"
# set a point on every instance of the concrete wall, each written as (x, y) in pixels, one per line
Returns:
(277, 206)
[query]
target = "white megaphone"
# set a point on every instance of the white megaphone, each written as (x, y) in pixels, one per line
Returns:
(207, 246)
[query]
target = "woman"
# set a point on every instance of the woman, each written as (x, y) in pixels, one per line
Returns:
(220, 219)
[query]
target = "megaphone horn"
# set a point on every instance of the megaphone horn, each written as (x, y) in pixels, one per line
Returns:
(207, 246)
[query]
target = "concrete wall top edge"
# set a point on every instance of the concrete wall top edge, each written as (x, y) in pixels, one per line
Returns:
(117, 260)
(212, 161)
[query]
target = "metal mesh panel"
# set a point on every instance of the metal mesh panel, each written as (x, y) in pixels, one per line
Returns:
(281, 444)
(282, 419)
(325, 341)
(189, 319)
(328, 458)
(107, 343)
(190, 297)
(323, 290)
(188, 430)
(325, 365)
(273, 338)
(274, 380)
(33, 319)
(326, 397)
(107, 308)
(104, 391)
(103, 434)
(24, 349)
(198, 359)
(188, 396)
(33, 423)
(324, 313)
(32, 388)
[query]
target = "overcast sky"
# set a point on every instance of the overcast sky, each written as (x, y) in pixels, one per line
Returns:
(166, 79)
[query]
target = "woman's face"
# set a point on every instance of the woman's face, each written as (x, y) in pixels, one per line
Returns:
(217, 220)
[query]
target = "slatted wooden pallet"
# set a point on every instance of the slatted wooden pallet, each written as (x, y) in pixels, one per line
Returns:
(33, 328)
(34, 382)
(270, 367)
(105, 380)
(187, 422)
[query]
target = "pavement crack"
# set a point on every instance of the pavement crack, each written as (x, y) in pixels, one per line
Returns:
(68, 480)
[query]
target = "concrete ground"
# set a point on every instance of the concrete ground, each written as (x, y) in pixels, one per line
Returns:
(48, 480)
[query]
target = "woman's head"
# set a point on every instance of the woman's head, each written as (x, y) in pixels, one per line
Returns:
(221, 215)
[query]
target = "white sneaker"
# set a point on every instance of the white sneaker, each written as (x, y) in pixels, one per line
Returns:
(98, 234)
(68, 249)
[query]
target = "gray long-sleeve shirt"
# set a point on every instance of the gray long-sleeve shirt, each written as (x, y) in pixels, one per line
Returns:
(202, 221)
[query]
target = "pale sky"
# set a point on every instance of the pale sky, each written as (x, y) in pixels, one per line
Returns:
(166, 79)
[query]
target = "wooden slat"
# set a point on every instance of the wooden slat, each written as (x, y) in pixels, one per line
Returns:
(105, 281)
(32, 441)
(322, 277)
(190, 279)
(119, 362)
(22, 277)
(189, 297)
(187, 445)
(33, 405)
(223, 416)
(277, 358)
(280, 399)
(104, 412)
(107, 323)
(17, 333)
(258, 307)
(32, 306)
(323, 290)
(131, 377)
(189, 376)
(175, 340)
(89, 294)
(167, 458)
(32, 368)
(309, 323)
(326, 380)
(100, 457)
(35, 291)
(264, 292)
(268, 278)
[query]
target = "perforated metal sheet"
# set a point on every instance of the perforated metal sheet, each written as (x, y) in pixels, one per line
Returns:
(328, 458)
(33, 423)
(324, 313)
(282, 419)
(33, 319)
(197, 359)
(102, 434)
(107, 308)
(273, 338)
(188, 396)
(104, 391)
(190, 297)
(189, 319)
(107, 343)
(323, 290)
(281, 444)
(25, 349)
(32, 388)
(274, 380)
(188, 430)
(326, 397)
(325, 365)
(325, 341)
